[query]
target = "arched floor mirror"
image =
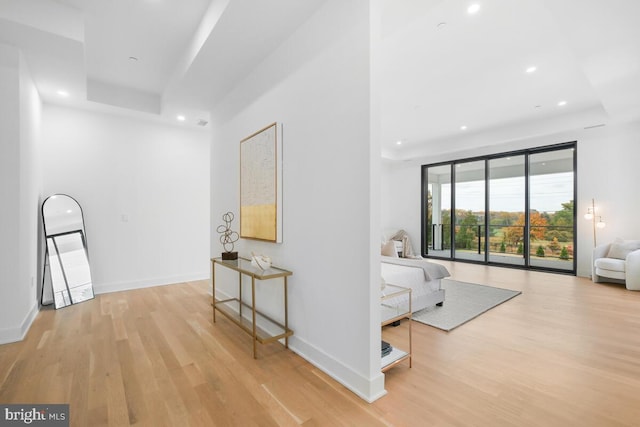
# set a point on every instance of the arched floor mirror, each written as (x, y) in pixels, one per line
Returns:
(66, 278)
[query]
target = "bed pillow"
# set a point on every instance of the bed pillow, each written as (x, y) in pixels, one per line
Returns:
(399, 248)
(621, 248)
(389, 249)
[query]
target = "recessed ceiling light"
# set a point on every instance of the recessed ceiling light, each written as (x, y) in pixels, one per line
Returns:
(474, 8)
(69, 211)
(63, 93)
(537, 106)
(463, 127)
(442, 24)
(531, 69)
(398, 142)
(562, 103)
(181, 118)
(133, 58)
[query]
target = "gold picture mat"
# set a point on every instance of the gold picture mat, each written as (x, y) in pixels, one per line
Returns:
(260, 185)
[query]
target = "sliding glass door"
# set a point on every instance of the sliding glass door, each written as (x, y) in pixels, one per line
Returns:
(551, 209)
(469, 206)
(437, 231)
(512, 209)
(507, 190)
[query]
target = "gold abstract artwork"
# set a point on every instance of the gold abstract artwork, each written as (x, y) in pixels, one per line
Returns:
(259, 185)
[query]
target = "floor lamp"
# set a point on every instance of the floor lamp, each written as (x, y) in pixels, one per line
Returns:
(591, 216)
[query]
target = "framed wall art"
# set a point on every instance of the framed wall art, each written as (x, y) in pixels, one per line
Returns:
(261, 185)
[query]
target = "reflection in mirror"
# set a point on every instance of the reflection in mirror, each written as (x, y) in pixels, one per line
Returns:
(66, 251)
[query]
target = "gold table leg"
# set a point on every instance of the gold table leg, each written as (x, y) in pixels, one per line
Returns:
(286, 314)
(240, 293)
(253, 314)
(213, 289)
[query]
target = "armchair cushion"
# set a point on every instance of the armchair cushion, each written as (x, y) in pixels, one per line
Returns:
(611, 268)
(612, 264)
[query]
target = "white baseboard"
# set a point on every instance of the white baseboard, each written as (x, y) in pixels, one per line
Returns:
(365, 388)
(104, 288)
(9, 335)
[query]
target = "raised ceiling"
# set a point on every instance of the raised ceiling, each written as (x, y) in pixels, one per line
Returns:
(148, 58)
(440, 67)
(450, 79)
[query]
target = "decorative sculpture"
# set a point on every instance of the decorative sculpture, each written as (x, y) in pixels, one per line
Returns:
(228, 237)
(261, 261)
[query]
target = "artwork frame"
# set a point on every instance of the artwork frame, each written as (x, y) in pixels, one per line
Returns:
(261, 185)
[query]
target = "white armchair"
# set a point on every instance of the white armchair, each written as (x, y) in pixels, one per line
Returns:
(618, 262)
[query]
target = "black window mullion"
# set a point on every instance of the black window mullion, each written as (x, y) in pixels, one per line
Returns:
(527, 226)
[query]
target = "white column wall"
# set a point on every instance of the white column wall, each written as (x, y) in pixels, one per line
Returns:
(19, 195)
(317, 84)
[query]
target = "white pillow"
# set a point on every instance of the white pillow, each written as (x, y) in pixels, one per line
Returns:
(619, 249)
(389, 249)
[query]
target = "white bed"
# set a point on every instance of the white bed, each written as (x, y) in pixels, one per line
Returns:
(422, 276)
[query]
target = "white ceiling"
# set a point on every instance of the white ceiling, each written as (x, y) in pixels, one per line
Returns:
(440, 67)
(155, 32)
(443, 69)
(190, 53)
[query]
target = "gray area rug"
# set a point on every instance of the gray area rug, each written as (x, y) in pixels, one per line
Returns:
(463, 302)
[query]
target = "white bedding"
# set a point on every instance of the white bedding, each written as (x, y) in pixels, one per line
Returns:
(414, 274)
(431, 270)
(408, 277)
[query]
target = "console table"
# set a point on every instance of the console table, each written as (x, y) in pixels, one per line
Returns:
(395, 305)
(232, 308)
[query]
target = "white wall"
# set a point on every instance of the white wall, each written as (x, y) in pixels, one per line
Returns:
(607, 171)
(144, 190)
(19, 191)
(400, 200)
(317, 85)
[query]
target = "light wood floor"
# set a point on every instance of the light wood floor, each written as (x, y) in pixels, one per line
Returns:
(566, 352)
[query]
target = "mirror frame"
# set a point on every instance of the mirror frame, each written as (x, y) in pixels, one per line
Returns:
(67, 296)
